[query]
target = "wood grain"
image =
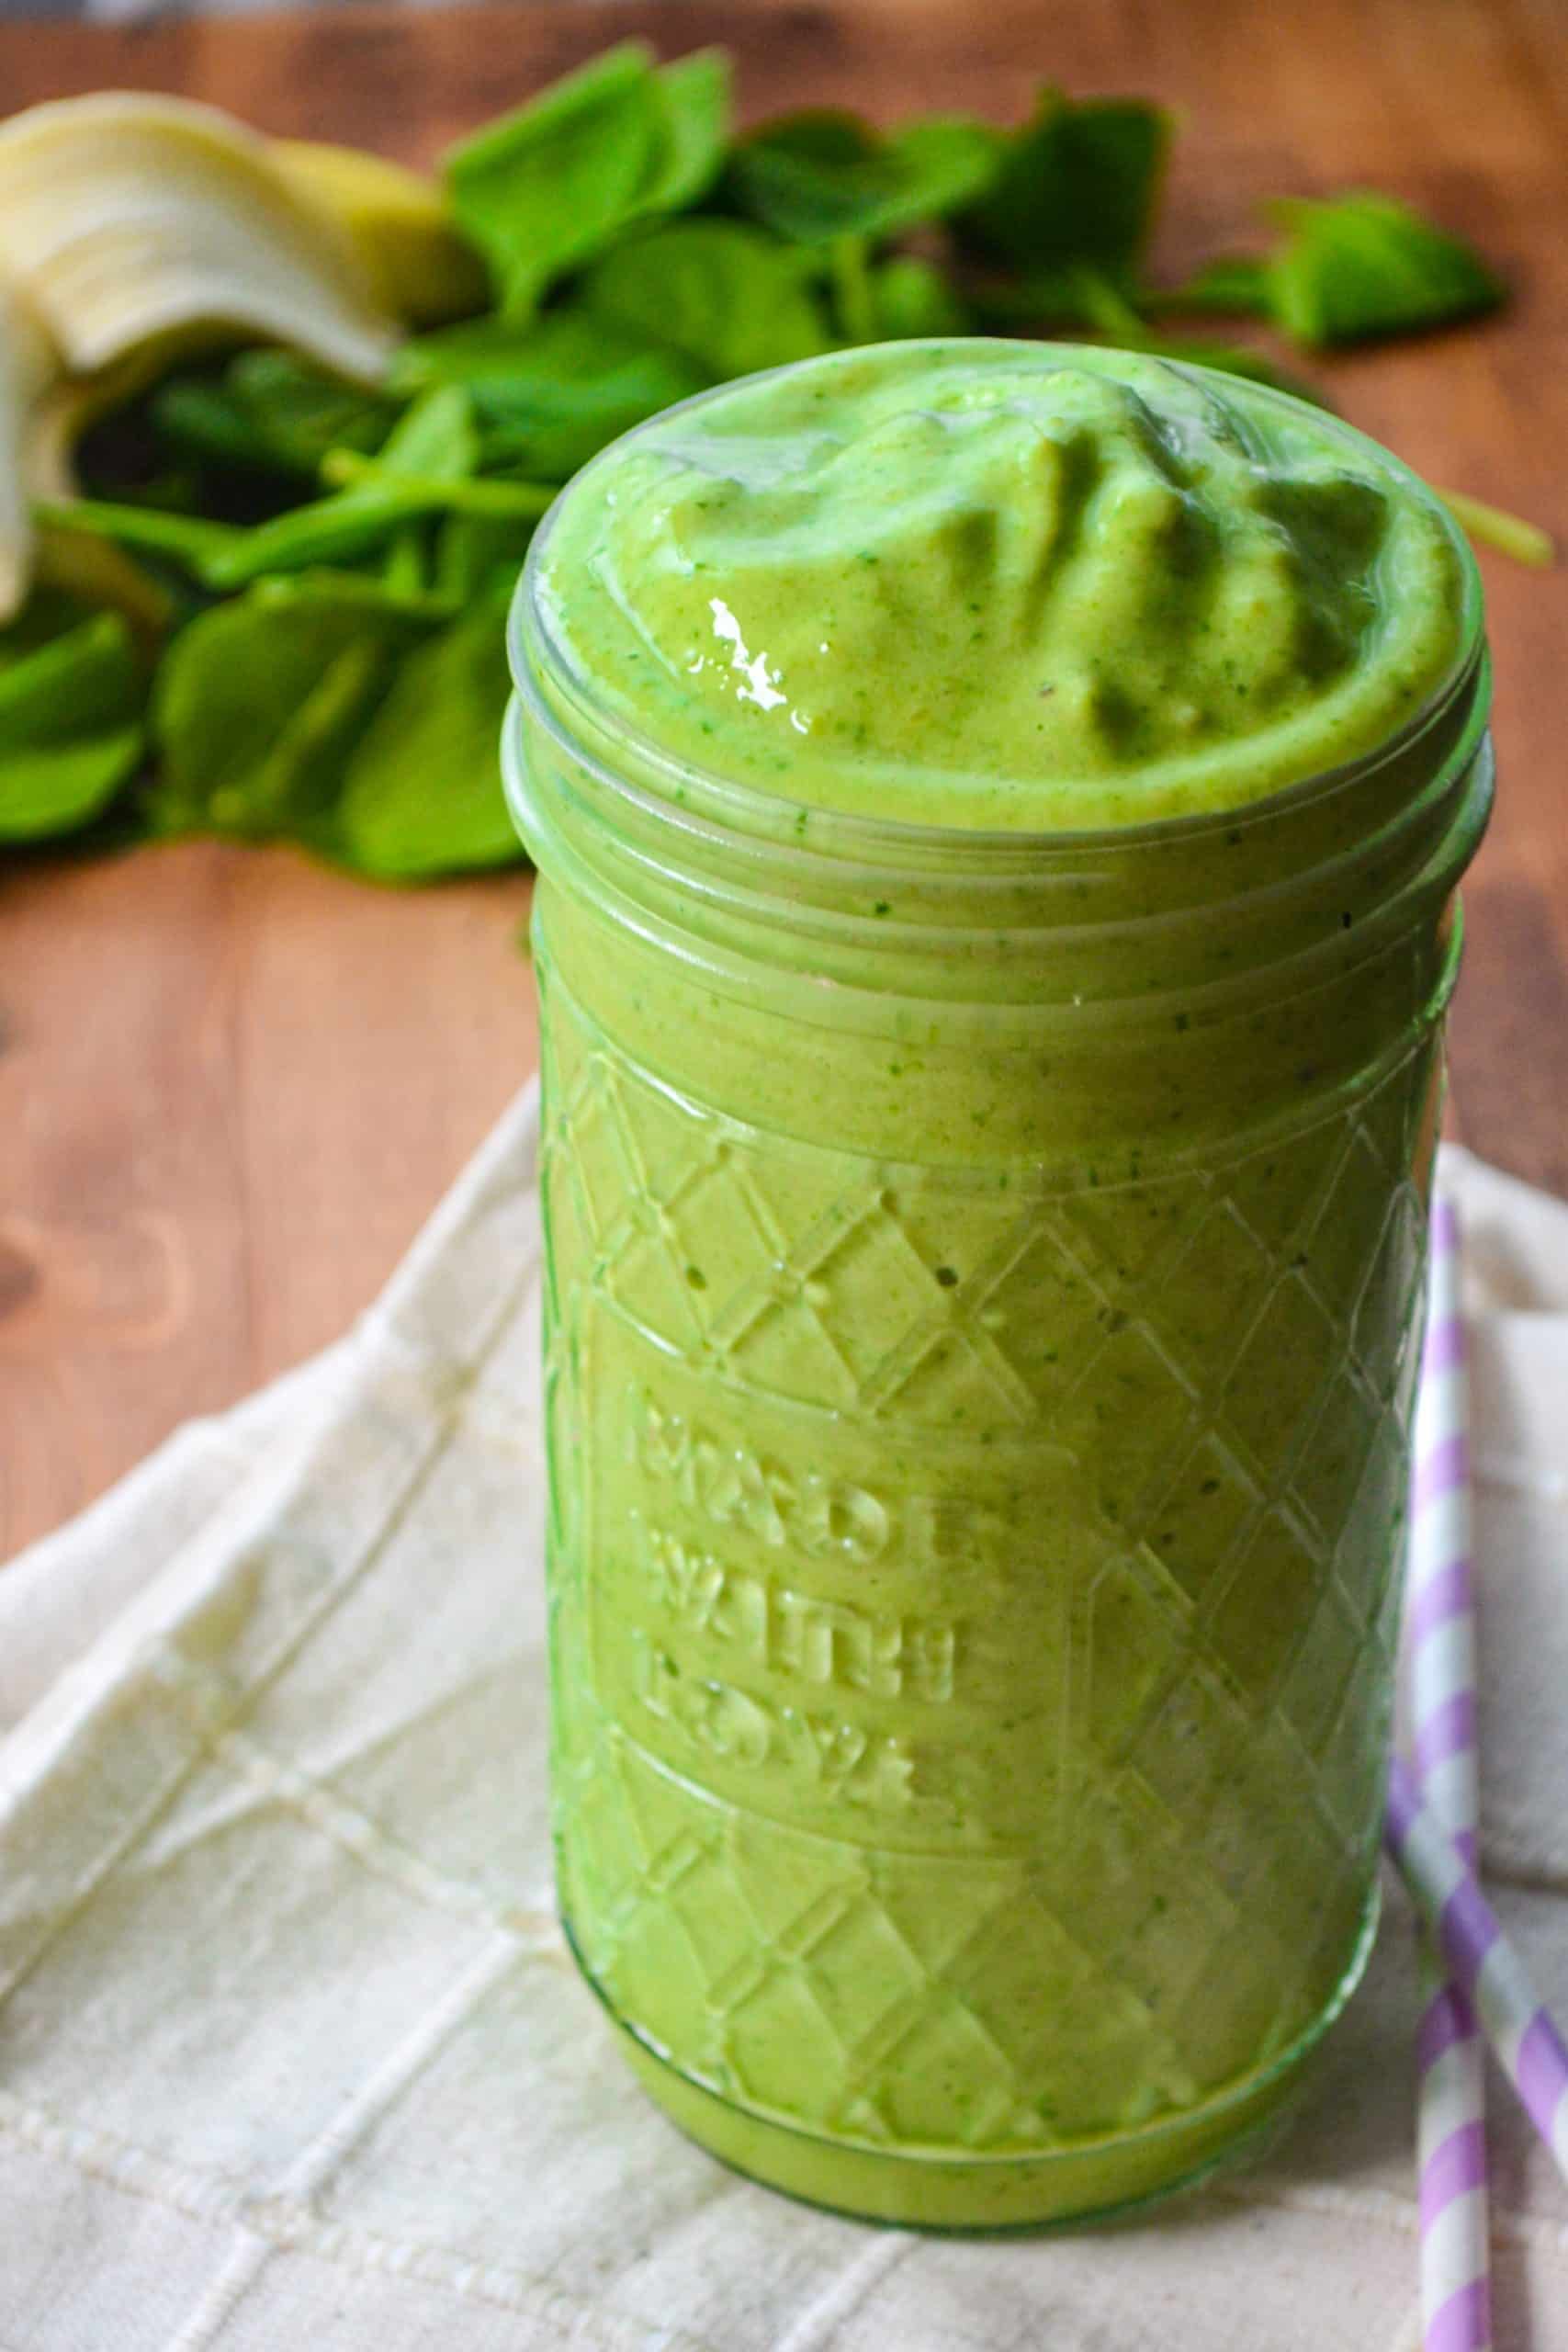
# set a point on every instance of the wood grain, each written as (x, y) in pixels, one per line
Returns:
(232, 1086)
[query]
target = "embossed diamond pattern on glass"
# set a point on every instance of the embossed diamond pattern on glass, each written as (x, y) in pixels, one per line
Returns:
(789, 1858)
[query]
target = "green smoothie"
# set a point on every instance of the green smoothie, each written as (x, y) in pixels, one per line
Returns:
(1043, 592)
(997, 809)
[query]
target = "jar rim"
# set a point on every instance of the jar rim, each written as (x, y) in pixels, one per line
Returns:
(554, 689)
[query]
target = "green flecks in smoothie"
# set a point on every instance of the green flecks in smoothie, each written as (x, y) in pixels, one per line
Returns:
(1007, 585)
(997, 1542)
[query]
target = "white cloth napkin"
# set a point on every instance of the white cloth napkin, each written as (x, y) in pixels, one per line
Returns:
(291, 2056)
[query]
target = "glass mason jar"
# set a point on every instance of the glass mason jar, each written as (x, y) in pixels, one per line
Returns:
(983, 1273)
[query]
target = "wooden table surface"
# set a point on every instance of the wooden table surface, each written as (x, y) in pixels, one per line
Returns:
(232, 1086)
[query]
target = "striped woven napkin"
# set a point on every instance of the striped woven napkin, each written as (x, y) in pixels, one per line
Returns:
(290, 2053)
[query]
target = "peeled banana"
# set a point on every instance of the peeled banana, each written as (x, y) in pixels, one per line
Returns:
(420, 267)
(28, 367)
(134, 222)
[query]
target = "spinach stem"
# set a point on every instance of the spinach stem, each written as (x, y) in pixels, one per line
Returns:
(1494, 527)
(524, 500)
(852, 289)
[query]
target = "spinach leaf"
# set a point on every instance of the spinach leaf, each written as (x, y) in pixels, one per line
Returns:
(433, 447)
(259, 702)
(438, 438)
(1231, 285)
(1361, 266)
(1052, 301)
(72, 693)
(566, 346)
(548, 396)
(478, 351)
(302, 412)
(198, 415)
(821, 175)
(848, 281)
(891, 301)
(422, 792)
(271, 411)
(476, 553)
(1077, 184)
(544, 188)
(912, 297)
(693, 104)
(725, 296)
(548, 431)
(299, 710)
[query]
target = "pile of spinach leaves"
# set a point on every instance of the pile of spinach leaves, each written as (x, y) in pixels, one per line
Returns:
(315, 648)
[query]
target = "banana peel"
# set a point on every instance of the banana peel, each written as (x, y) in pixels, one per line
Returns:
(137, 223)
(419, 265)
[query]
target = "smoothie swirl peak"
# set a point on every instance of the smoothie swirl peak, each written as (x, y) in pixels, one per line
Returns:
(1005, 586)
